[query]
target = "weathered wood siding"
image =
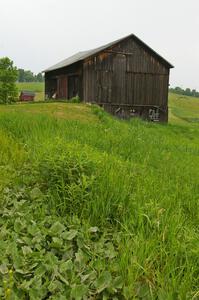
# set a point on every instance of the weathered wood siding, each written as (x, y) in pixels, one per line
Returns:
(126, 74)
(127, 78)
(67, 82)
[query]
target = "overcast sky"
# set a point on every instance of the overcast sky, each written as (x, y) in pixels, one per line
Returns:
(39, 33)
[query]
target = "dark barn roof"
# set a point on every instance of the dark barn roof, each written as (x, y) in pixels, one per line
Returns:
(86, 54)
(28, 93)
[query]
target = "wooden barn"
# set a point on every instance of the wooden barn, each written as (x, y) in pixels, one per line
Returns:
(126, 77)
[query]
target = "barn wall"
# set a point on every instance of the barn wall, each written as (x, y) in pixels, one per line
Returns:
(57, 80)
(128, 75)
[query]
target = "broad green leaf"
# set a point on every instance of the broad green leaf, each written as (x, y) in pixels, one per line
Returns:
(36, 294)
(36, 193)
(81, 257)
(27, 240)
(110, 251)
(17, 258)
(25, 285)
(56, 229)
(56, 243)
(34, 265)
(59, 297)
(79, 291)
(21, 271)
(3, 269)
(20, 241)
(41, 270)
(117, 282)
(89, 277)
(54, 286)
(93, 229)
(65, 266)
(103, 281)
(69, 235)
(143, 290)
(63, 279)
(33, 230)
(3, 232)
(26, 250)
(51, 260)
(18, 225)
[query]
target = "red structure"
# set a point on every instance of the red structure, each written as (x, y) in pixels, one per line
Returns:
(27, 96)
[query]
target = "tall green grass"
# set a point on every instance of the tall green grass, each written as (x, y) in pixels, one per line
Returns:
(135, 182)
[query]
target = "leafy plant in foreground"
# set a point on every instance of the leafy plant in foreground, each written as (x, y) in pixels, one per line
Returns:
(50, 258)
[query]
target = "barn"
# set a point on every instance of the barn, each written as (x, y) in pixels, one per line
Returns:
(126, 77)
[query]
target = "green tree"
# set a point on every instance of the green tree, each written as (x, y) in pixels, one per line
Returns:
(178, 90)
(187, 92)
(29, 76)
(8, 77)
(39, 77)
(21, 75)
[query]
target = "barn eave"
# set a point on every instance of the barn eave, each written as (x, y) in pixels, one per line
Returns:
(81, 56)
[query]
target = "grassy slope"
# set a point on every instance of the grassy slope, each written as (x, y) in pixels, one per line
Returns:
(184, 109)
(67, 111)
(137, 182)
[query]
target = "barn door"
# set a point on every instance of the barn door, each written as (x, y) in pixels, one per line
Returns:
(118, 85)
(73, 86)
(103, 85)
(62, 87)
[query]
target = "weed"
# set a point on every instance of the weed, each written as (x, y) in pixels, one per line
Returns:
(74, 100)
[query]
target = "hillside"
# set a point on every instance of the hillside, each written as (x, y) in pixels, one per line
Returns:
(97, 208)
(183, 109)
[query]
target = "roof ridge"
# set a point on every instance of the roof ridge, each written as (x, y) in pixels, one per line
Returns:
(87, 53)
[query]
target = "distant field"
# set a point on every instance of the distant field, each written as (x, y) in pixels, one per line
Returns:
(183, 109)
(37, 87)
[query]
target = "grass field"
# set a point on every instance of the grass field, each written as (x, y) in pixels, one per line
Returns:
(96, 208)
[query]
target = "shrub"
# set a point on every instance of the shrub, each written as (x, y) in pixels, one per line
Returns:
(99, 111)
(75, 99)
(8, 77)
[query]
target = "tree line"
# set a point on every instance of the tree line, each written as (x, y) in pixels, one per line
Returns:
(185, 92)
(28, 76)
